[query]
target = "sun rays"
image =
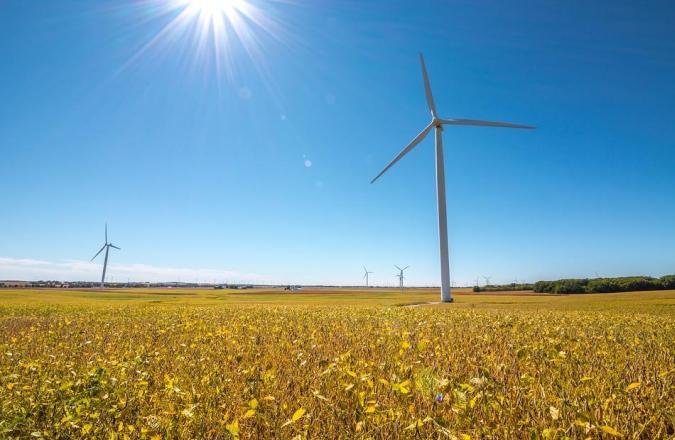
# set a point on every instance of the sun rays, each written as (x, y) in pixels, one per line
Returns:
(212, 34)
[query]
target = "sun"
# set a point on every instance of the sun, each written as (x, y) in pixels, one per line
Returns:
(214, 33)
(213, 9)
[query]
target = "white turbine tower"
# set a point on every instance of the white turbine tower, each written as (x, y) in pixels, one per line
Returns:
(437, 124)
(107, 247)
(365, 275)
(400, 276)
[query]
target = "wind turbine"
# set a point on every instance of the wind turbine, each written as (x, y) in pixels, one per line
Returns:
(437, 125)
(400, 276)
(366, 273)
(107, 247)
(487, 280)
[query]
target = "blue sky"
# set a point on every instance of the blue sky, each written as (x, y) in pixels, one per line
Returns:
(199, 159)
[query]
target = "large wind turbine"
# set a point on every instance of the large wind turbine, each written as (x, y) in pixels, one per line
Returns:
(400, 276)
(107, 247)
(437, 124)
(366, 273)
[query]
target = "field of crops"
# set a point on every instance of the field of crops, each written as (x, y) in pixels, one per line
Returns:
(356, 365)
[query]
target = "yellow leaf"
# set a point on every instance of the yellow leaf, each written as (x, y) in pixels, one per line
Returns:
(633, 386)
(586, 378)
(253, 403)
(362, 398)
(233, 428)
(417, 424)
(250, 413)
(549, 433)
(611, 431)
(299, 413)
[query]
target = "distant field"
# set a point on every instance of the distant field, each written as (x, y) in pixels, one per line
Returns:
(658, 301)
(335, 363)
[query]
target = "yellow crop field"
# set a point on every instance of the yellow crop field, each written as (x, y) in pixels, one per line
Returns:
(143, 364)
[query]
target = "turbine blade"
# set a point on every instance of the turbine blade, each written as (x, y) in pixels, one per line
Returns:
(427, 88)
(405, 268)
(397, 267)
(479, 123)
(102, 247)
(113, 246)
(406, 150)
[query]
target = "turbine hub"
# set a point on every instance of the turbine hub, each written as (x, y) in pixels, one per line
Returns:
(436, 122)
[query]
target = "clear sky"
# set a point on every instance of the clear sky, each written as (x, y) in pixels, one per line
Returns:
(250, 160)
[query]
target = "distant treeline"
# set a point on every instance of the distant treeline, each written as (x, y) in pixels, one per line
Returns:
(503, 287)
(587, 285)
(605, 285)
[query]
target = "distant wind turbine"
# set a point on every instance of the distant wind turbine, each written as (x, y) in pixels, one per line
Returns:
(487, 280)
(437, 124)
(107, 247)
(366, 273)
(400, 276)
